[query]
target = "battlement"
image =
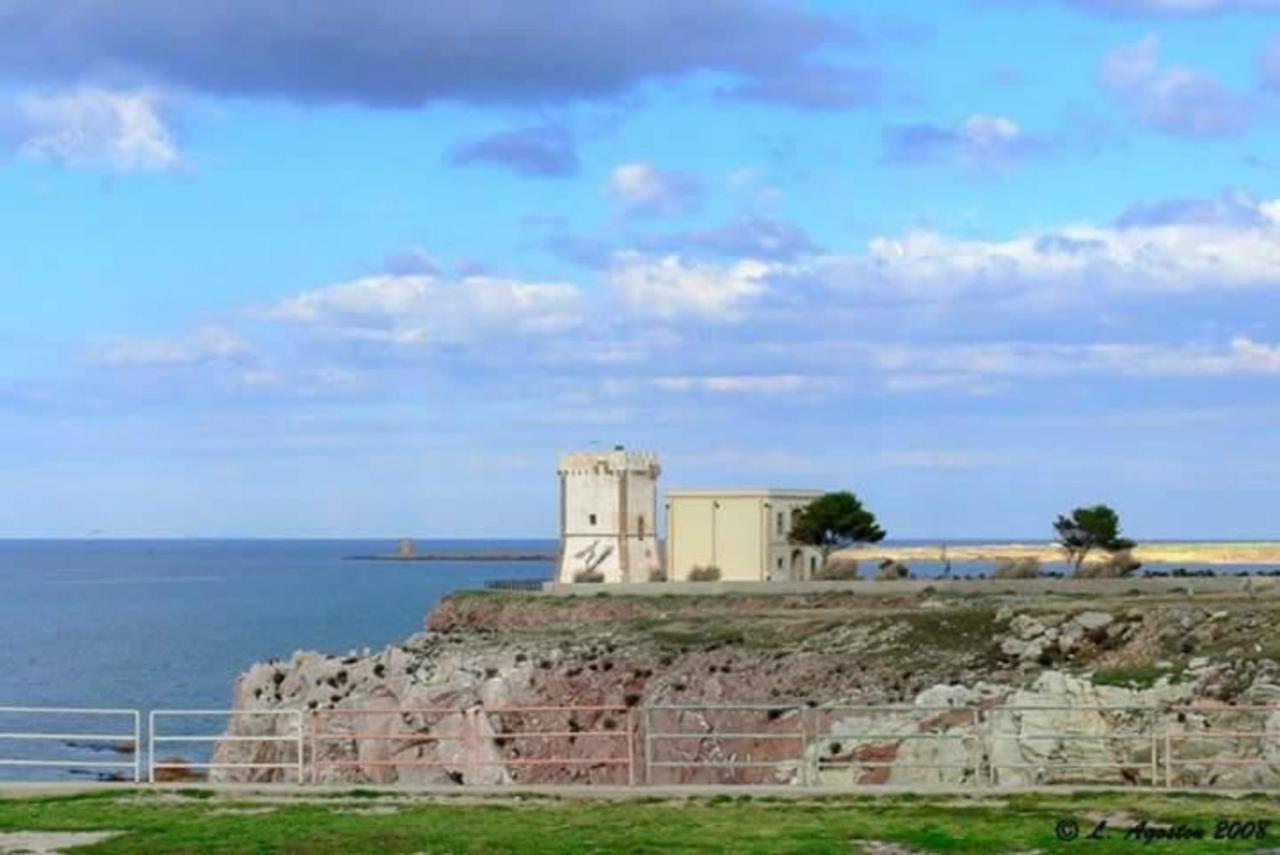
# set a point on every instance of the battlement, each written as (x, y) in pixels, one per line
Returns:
(617, 461)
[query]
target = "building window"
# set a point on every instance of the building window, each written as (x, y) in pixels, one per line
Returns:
(779, 563)
(813, 565)
(592, 519)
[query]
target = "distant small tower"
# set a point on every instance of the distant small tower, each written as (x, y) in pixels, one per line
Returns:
(608, 512)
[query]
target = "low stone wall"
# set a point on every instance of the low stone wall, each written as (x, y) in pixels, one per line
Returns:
(1261, 585)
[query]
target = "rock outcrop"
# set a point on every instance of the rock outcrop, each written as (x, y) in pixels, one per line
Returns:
(984, 690)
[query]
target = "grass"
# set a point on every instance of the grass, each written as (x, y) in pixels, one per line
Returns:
(171, 823)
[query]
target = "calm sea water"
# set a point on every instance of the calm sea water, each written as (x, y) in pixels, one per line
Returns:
(171, 623)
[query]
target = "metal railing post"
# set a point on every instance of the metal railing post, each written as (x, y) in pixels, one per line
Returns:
(301, 743)
(314, 718)
(151, 747)
(471, 743)
(137, 746)
(631, 746)
(806, 779)
(1155, 750)
(647, 723)
(975, 725)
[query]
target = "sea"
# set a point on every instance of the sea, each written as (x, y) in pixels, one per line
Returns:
(170, 624)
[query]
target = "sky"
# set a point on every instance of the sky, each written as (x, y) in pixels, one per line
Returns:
(368, 268)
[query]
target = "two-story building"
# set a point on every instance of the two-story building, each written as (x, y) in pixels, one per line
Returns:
(744, 533)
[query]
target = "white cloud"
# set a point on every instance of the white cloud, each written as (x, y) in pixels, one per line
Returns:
(90, 127)
(747, 384)
(1046, 266)
(960, 366)
(207, 344)
(415, 309)
(1174, 99)
(642, 188)
(671, 286)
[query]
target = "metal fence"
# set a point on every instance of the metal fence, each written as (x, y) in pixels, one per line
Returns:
(1219, 727)
(43, 737)
(226, 738)
(835, 746)
(473, 744)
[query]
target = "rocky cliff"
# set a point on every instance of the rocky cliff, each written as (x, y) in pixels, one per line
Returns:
(998, 689)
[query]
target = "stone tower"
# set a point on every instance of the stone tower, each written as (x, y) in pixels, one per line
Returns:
(608, 513)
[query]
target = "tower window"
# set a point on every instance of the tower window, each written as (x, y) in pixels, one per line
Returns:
(640, 527)
(781, 524)
(592, 519)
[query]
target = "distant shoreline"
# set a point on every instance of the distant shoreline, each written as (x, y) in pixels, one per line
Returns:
(1190, 552)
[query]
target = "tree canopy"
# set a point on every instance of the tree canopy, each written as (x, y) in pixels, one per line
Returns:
(1087, 529)
(833, 521)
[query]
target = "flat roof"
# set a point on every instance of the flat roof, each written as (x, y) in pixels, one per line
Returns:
(754, 492)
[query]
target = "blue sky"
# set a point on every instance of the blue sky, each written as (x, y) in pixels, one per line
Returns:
(371, 270)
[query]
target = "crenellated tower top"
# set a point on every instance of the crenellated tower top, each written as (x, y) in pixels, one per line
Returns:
(617, 461)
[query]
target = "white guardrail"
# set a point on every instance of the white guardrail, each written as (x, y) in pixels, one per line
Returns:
(70, 736)
(159, 718)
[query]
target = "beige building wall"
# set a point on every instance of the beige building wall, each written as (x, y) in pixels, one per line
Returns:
(744, 533)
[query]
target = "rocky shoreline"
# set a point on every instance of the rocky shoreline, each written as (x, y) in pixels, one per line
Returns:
(812, 656)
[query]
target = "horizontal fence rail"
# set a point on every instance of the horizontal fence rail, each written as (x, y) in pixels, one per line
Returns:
(181, 767)
(468, 742)
(842, 746)
(41, 730)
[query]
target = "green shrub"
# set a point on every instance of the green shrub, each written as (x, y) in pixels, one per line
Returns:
(1118, 565)
(890, 570)
(710, 573)
(837, 569)
(588, 576)
(1017, 568)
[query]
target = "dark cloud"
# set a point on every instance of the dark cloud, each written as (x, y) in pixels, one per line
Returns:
(751, 237)
(407, 52)
(542, 151)
(812, 87)
(1233, 209)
